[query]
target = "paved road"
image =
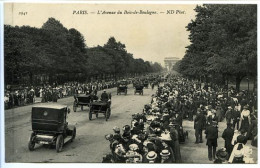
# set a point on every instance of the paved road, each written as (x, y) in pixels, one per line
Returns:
(90, 144)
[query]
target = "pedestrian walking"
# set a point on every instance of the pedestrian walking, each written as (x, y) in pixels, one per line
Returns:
(228, 136)
(212, 136)
(228, 114)
(245, 119)
(199, 124)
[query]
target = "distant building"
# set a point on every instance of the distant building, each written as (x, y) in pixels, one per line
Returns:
(170, 61)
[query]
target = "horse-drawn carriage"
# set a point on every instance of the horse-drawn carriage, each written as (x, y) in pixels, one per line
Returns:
(139, 89)
(122, 87)
(83, 100)
(97, 107)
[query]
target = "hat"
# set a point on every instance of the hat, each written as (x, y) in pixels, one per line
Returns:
(151, 155)
(222, 154)
(126, 128)
(246, 107)
(133, 147)
(116, 129)
(146, 142)
(165, 152)
(109, 137)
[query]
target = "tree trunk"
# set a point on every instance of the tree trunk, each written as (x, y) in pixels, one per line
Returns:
(255, 84)
(238, 81)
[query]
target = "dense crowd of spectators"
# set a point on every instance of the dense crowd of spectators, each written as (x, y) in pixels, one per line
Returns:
(47, 93)
(154, 135)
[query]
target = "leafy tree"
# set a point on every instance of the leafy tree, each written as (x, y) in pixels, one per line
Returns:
(223, 41)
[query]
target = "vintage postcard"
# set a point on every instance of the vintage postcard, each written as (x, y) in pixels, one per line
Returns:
(130, 82)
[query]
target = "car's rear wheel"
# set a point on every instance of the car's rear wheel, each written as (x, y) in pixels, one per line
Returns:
(107, 115)
(73, 134)
(31, 142)
(75, 106)
(59, 143)
(90, 115)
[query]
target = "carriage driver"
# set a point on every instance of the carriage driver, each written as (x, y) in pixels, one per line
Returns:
(104, 96)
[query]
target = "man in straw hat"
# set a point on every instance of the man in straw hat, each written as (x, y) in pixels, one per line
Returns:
(151, 157)
(166, 156)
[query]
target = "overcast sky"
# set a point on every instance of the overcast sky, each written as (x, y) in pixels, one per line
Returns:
(151, 37)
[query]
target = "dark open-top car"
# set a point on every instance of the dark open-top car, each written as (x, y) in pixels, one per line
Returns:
(139, 89)
(100, 107)
(83, 100)
(122, 87)
(50, 126)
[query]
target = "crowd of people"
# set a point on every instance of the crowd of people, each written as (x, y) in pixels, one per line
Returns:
(51, 93)
(154, 135)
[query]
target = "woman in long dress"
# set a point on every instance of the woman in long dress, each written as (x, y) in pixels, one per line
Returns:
(245, 119)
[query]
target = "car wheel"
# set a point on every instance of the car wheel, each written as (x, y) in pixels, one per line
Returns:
(90, 115)
(73, 134)
(75, 107)
(31, 143)
(59, 143)
(96, 115)
(107, 114)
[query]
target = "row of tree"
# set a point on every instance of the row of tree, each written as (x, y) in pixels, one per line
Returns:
(223, 43)
(53, 50)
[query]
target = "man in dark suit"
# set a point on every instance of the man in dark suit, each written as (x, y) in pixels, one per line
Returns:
(236, 118)
(199, 124)
(104, 96)
(212, 137)
(228, 136)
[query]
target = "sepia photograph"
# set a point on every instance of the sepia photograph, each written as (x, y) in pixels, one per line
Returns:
(158, 83)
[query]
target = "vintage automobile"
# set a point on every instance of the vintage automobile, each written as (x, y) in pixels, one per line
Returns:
(146, 83)
(139, 89)
(122, 87)
(83, 100)
(50, 126)
(103, 107)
